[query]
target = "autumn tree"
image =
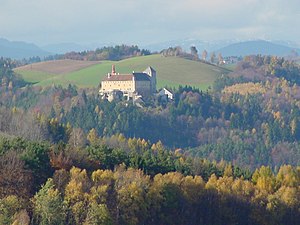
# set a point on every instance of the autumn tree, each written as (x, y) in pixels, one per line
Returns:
(15, 179)
(220, 59)
(48, 205)
(131, 187)
(76, 195)
(194, 52)
(92, 136)
(204, 55)
(264, 179)
(288, 176)
(212, 57)
(77, 138)
(10, 206)
(98, 214)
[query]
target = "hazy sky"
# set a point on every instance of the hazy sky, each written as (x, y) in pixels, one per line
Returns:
(148, 21)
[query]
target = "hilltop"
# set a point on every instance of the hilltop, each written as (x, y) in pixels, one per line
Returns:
(172, 71)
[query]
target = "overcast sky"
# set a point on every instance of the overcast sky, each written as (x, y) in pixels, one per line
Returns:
(148, 21)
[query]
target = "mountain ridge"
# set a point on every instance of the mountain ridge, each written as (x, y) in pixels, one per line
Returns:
(20, 49)
(256, 47)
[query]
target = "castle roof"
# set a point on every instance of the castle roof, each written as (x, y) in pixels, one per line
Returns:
(128, 77)
(149, 70)
(122, 77)
(141, 76)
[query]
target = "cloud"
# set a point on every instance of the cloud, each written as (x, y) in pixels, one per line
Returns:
(141, 21)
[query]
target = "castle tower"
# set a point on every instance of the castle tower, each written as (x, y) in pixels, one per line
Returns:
(152, 74)
(113, 70)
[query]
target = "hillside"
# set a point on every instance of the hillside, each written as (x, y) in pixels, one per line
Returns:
(37, 72)
(20, 50)
(171, 71)
(255, 48)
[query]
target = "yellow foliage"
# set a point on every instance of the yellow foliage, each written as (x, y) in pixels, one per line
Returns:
(264, 179)
(192, 187)
(289, 195)
(243, 188)
(277, 115)
(14, 109)
(228, 171)
(99, 194)
(212, 182)
(245, 88)
(102, 176)
(76, 189)
(74, 192)
(92, 136)
(288, 176)
(224, 184)
(22, 218)
(266, 183)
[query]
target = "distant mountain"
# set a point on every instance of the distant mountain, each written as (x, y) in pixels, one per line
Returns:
(256, 47)
(291, 44)
(187, 43)
(20, 50)
(62, 48)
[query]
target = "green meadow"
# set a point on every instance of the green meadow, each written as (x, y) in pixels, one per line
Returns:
(171, 71)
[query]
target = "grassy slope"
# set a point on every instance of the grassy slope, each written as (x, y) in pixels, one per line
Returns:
(35, 76)
(57, 67)
(171, 71)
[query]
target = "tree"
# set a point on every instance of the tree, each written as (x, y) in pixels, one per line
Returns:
(36, 158)
(288, 176)
(92, 136)
(76, 194)
(48, 205)
(228, 171)
(131, 187)
(212, 57)
(204, 55)
(295, 128)
(98, 214)
(220, 59)
(77, 138)
(9, 207)
(14, 178)
(264, 179)
(21, 218)
(194, 52)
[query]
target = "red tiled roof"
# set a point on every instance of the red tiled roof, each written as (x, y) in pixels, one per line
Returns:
(122, 77)
(128, 77)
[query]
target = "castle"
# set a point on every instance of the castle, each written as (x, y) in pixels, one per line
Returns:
(135, 85)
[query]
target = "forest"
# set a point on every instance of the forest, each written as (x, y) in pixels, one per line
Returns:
(228, 155)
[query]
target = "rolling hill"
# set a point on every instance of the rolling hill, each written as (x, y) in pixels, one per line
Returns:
(255, 48)
(171, 71)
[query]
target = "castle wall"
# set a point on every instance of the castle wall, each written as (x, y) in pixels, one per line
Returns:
(143, 83)
(124, 86)
(153, 82)
(143, 87)
(152, 75)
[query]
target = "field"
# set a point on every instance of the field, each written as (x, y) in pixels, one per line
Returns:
(171, 71)
(230, 66)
